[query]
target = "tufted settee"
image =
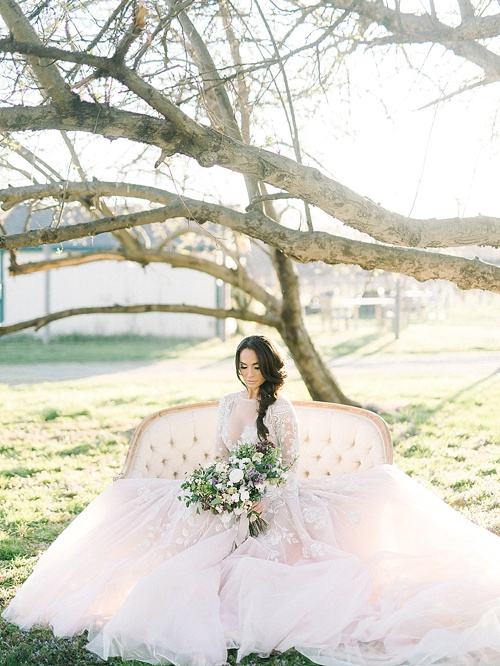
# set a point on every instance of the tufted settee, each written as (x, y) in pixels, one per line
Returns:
(334, 439)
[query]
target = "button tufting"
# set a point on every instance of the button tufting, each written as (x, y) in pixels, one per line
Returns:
(329, 453)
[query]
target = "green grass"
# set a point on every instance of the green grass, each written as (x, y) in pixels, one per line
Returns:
(39, 648)
(63, 441)
(471, 324)
(26, 348)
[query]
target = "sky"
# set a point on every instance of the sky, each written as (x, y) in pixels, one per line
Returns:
(435, 162)
(368, 132)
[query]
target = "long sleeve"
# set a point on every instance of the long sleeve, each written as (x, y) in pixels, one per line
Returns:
(220, 448)
(283, 424)
(237, 417)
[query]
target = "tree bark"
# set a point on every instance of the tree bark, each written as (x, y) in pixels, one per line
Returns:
(51, 84)
(173, 131)
(301, 246)
(312, 366)
(212, 148)
(220, 313)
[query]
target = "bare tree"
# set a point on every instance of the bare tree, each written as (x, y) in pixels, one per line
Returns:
(191, 81)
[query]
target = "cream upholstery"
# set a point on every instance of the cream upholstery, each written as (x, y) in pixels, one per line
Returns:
(334, 439)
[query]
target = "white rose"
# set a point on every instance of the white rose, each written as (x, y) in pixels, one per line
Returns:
(245, 495)
(236, 475)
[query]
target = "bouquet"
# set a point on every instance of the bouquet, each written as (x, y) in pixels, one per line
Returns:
(232, 487)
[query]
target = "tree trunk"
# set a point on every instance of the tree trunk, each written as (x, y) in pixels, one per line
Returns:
(312, 367)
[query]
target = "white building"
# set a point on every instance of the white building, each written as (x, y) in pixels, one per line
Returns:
(105, 283)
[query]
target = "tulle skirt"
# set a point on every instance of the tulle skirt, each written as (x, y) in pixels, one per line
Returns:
(369, 569)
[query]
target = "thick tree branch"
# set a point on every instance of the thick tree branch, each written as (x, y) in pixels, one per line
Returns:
(79, 259)
(466, 10)
(180, 134)
(301, 246)
(394, 20)
(94, 118)
(132, 34)
(221, 109)
(420, 264)
(182, 206)
(216, 98)
(384, 225)
(49, 236)
(115, 68)
(21, 45)
(419, 28)
(237, 277)
(219, 313)
(52, 85)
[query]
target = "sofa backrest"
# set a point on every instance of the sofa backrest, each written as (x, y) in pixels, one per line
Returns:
(334, 439)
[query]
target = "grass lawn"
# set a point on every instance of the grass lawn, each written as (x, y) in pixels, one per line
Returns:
(63, 441)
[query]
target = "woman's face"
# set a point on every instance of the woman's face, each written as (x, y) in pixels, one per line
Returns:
(249, 370)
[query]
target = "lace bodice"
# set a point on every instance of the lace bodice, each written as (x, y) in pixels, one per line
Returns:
(237, 422)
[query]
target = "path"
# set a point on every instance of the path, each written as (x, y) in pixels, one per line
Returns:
(471, 364)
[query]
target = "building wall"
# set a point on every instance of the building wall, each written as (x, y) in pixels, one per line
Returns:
(110, 283)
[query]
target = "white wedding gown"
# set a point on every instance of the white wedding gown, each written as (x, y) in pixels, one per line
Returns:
(369, 569)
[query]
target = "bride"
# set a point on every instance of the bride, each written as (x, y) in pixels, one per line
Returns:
(368, 569)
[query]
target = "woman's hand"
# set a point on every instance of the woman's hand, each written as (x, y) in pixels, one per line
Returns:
(258, 507)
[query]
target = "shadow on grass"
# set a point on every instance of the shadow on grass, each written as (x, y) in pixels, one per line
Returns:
(417, 415)
(23, 472)
(25, 349)
(357, 344)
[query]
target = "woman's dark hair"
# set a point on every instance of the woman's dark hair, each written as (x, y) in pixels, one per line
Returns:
(272, 366)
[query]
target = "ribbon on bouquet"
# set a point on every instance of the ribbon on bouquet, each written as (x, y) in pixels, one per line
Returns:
(241, 529)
